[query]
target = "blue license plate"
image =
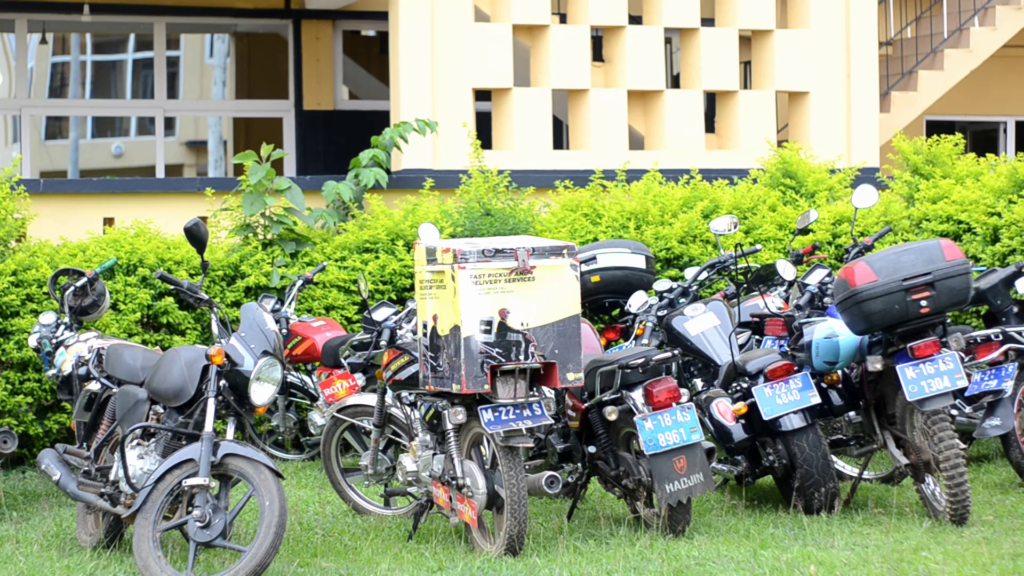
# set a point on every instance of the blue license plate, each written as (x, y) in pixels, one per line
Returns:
(669, 428)
(780, 344)
(502, 417)
(623, 346)
(778, 398)
(931, 376)
(997, 378)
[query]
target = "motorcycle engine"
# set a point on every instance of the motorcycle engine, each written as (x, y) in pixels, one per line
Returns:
(141, 459)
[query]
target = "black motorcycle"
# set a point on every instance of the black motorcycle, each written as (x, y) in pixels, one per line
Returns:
(146, 449)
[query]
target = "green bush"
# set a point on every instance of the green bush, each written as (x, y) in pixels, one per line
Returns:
(934, 190)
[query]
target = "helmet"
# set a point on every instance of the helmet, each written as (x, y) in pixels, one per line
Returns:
(831, 346)
(86, 304)
(503, 313)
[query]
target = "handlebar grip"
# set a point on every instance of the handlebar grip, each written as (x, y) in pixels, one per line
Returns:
(750, 251)
(169, 280)
(102, 268)
(804, 301)
(385, 335)
(320, 268)
(881, 234)
(810, 249)
(1019, 266)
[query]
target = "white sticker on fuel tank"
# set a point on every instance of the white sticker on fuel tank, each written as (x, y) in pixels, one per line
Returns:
(702, 323)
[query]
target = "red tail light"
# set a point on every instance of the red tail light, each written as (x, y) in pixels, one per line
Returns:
(983, 350)
(780, 370)
(775, 327)
(857, 274)
(722, 409)
(662, 392)
(951, 251)
(924, 348)
(612, 332)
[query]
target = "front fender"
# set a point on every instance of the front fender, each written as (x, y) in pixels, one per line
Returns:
(221, 448)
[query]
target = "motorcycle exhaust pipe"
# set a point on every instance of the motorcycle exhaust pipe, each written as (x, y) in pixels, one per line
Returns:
(543, 484)
(962, 424)
(730, 472)
(56, 469)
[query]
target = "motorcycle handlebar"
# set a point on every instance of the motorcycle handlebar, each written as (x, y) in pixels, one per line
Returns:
(320, 268)
(810, 249)
(804, 301)
(169, 280)
(880, 234)
(750, 251)
(385, 335)
(102, 268)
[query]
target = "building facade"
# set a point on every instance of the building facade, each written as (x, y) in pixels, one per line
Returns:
(144, 102)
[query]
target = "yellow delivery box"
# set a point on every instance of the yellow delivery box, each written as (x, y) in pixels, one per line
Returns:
(489, 305)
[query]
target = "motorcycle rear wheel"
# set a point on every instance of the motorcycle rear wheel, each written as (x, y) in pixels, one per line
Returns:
(674, 519)
(1013, 441)
(808, 481)
(501, 524)
(945, 491)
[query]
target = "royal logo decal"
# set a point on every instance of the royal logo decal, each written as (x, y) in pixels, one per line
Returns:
(442, 495)
(466, 509)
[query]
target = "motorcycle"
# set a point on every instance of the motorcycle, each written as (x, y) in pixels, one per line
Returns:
(146, 449)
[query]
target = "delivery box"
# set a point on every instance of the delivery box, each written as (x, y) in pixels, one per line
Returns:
(489, 305)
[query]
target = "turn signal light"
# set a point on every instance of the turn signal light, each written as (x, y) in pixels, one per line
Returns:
(662, 392)
(775, 327)
(640, 330)
(379, 374)
(857, 274)
(983, 350)
(612, 332)
(780, 370)
(740, 408)
(215, 355)
(832, 378)
(924, 348)
(260, 410)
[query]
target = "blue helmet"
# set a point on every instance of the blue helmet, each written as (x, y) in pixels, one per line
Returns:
(831, 346)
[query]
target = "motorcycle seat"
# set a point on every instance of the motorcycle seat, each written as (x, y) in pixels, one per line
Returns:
(330, 354)
(594, 363)
(754, 362)
(129, 363)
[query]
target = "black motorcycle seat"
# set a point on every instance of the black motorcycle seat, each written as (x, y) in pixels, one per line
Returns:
(175, 377)
(129, 363)
(598, 361)
(754, 362)
(330, 354)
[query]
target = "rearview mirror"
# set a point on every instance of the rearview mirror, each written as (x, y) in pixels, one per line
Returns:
(198, 236)
(864, 196)
(786, 269)
(689, 272)
(724, 225)
(363, 286)
(806, 219)
(427, 232)
(1019, 285)
(637, 302)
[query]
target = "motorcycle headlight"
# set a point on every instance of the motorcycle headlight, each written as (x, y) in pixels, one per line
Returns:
(265, 381)
(33, 341)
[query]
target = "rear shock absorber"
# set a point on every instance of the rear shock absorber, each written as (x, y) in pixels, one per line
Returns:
(451, 442)
(109, 416)
(560, 401)
(602, 436)
(379, 411)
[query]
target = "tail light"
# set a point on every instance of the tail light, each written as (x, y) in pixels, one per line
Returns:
(775, 327)
(924, 348)
(722, 409)
(612, 332)
(982, 350)
(662, 392)
(950, 251)
(857, 274)
(780, 370)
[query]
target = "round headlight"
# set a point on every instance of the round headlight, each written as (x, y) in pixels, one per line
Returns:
(48, 318)
(265, 381)
(33, 340)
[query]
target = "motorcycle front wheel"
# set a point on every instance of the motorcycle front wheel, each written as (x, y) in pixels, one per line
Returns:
(497, 476)
(242, 535)
(283, 430)
(1013, 441)
(945, 490)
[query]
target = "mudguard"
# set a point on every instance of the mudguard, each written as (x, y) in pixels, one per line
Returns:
(221, 448)
(681, 474)
(934, 402)
(998, 418)
(791, 421)
(364, 399)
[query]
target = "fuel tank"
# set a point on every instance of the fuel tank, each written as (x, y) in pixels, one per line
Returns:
(305, 339)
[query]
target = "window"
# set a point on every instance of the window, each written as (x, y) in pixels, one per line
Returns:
(208, 50)
(108, 222)
(982, 135)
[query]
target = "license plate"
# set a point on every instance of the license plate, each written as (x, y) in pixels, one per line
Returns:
(997, 378)
(931, 376)
(780, 344)
(623, 346)
(669, 428)
(779, 398)
(502, 417)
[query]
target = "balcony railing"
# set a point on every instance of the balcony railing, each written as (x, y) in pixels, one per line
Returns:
(912, 31)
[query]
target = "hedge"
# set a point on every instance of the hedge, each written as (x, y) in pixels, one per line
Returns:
(934, 189)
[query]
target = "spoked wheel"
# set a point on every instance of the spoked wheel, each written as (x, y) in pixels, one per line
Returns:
(944, 488)
(1013, 441)
(496, 476)
(345, 442)
(881, 469)
(283, 430)
(676, 518)
(241, 534)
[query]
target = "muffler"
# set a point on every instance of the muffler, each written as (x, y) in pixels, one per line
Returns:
(543, 485)
(56, 469)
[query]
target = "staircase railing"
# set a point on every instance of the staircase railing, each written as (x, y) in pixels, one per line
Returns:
(910, 31)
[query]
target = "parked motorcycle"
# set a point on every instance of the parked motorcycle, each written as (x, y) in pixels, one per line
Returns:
(148, 452)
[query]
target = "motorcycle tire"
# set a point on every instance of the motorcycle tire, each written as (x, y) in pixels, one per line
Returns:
(477, 446)
(1013, 441)
(97, 529)
(330, 455)
(881, 469)
(807, 480)
(933, 430)
(272, 516)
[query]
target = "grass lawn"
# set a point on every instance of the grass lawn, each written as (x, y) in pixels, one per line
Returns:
(736, 531)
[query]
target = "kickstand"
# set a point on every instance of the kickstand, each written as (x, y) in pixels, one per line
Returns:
(856, 481)
(721, 483)
(581, 488)
(421, 512)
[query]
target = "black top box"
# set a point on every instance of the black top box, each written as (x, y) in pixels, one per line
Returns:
(903, 284)
(611, 271)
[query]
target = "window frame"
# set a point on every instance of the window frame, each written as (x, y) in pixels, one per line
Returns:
(341, 26)
(159, 106)
(1010, 144)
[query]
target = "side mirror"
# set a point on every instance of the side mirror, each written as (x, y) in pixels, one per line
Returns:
(864, 196)
(1019, 285)
(805, 220)
(427, 232)
(198, 236)
(363, 286)
(724, 225)
(637, 302)
(786, 269)
(689, 272)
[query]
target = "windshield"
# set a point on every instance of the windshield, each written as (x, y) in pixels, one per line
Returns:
(257, 335)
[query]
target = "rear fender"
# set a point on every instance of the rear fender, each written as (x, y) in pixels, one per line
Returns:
(998, 418)
(934, 402)
(790, 422)
(190, 453)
